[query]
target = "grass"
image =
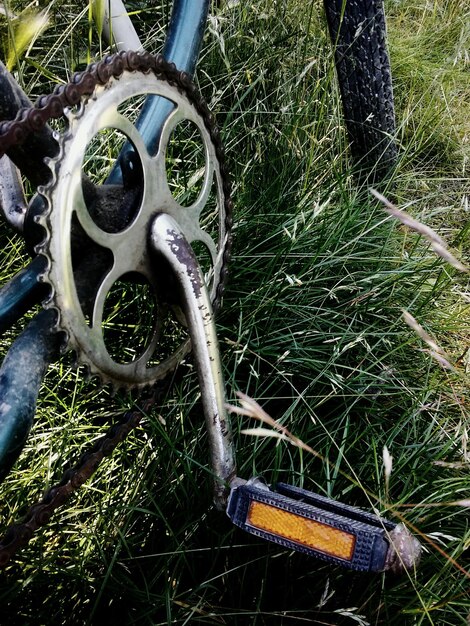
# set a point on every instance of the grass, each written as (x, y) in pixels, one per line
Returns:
(312, 328)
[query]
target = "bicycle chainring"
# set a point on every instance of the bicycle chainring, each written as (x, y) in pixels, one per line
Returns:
(96, 235)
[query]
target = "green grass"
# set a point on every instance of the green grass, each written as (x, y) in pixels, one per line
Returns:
(311, 328)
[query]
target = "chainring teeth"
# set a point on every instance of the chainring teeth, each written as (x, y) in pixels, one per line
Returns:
(77, 123)
(43, 219)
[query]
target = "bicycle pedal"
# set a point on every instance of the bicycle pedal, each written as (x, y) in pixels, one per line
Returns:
(307, 522)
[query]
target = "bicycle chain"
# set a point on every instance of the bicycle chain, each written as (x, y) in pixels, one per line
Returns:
(15, 132)
(19, 534)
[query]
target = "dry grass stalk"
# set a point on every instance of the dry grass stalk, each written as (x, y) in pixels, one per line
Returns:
(419, 330)
(438, 245)
(250, 408)
(437, 353)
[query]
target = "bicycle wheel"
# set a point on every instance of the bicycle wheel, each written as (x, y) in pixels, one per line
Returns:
(358, 33)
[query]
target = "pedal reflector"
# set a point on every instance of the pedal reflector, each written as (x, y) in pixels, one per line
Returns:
(304, 531)
(310, 523)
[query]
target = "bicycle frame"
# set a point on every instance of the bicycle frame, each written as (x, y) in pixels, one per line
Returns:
(336, 533)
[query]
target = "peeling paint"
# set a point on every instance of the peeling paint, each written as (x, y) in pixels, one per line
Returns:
(185, 256)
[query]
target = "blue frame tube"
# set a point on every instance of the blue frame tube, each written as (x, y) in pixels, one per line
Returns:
(185, 32)
(182, 46)
(21, 293)
(21, 376)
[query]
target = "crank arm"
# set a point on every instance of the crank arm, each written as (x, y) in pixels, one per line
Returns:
(168, 240)
(291, 517)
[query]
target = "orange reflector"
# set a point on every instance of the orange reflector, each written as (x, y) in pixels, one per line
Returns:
(307, 532)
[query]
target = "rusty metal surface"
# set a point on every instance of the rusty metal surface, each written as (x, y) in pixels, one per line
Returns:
(125, 249)
(169, 241)
(29, 124)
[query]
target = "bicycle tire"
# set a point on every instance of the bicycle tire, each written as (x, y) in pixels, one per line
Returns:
(358, 33)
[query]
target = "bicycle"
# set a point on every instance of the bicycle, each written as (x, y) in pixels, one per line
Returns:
(75, 288)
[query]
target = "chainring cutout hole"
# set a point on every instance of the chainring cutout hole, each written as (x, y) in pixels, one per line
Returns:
(185, 162)
(173, 335)
(131, 107)
(111, 207)
(129, 318)
(90, 265)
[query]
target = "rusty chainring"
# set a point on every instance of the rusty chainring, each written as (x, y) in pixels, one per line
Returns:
(15, 132)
